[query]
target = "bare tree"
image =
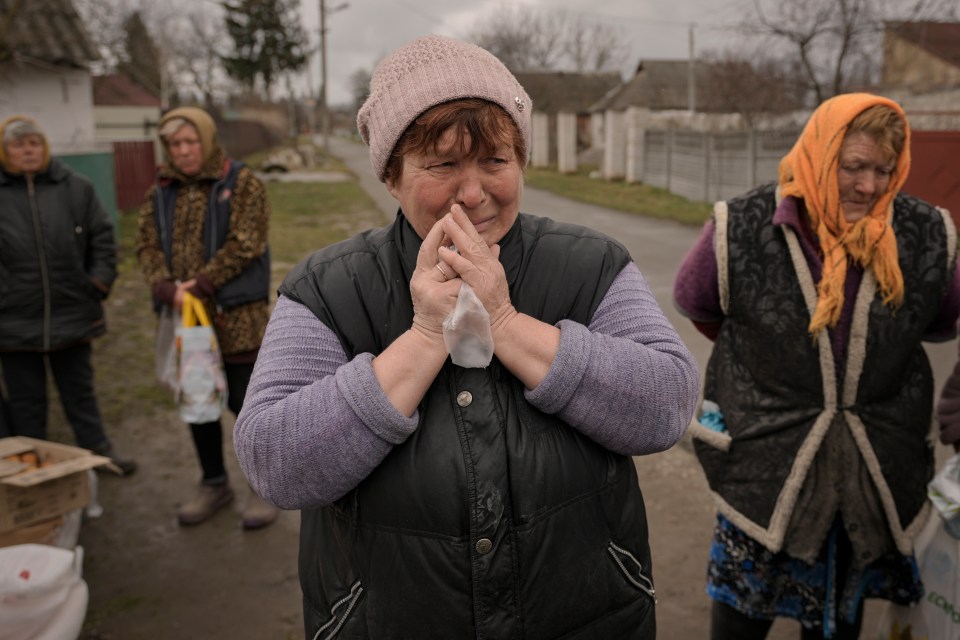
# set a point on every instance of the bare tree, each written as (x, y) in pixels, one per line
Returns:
(104, 20)
(835, 42)
(528, 39)
(195, 62)
(748, 82)
(523, 38)
(187, 36)
(594, 46)
(359, 87)
(141, 59)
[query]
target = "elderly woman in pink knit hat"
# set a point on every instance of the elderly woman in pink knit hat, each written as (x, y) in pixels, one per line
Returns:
(450, 492)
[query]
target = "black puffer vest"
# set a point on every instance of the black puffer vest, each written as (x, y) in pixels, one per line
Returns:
(493, 520)
(778, 388)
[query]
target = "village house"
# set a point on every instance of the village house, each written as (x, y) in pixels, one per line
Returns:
(45, 54)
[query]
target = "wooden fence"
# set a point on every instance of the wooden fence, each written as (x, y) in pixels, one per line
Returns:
(935, 172)
(134, 170)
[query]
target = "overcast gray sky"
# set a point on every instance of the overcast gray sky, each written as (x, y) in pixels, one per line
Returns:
(365, 30)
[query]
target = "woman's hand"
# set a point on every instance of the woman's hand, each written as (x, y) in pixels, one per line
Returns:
(434, 286)
(478, 265)
(178, 295)
(407, 368)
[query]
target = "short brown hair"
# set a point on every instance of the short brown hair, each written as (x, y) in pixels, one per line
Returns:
(885, 126)
(487, 124)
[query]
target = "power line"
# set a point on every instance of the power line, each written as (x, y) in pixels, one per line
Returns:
(606, 17)
(420, 12)
(619, 18)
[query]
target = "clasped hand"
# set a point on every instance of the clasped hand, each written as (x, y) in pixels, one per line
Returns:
(434, 290)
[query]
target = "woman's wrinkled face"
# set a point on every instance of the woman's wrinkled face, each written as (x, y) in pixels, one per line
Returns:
(863, 175)
(487, 186)
(185, 150)
(25, 154)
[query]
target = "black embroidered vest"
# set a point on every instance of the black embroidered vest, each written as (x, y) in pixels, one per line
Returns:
(778, 389)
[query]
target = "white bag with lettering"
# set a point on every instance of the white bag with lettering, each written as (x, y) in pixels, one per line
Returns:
(937, 615)
(201, 392)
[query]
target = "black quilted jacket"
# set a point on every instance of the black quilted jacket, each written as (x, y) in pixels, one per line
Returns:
(57, 260)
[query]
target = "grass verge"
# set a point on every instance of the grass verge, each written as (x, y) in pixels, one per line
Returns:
(616, 194)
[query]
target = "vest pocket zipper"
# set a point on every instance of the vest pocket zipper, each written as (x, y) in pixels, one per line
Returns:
(350, 602)
(632, 570)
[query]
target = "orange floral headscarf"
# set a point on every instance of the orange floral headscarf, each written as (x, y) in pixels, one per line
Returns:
(809, 172)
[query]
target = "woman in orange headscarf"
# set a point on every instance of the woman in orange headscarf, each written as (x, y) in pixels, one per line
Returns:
(817, 292)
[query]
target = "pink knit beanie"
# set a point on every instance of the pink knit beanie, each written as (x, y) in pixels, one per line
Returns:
(424, 73)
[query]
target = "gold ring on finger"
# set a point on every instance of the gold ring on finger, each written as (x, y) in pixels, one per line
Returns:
(445, 276)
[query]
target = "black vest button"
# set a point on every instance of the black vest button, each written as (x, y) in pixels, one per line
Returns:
(484, 546)
(464, 398)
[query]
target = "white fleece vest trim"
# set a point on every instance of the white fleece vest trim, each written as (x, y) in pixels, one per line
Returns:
(715, 439)
(856, 354)
(722, 252)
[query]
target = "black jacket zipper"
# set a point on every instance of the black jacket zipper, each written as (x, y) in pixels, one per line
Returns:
(41, 258)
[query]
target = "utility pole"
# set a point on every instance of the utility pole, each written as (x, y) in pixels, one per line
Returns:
(324, 110)
(324, 114)
(691, 76)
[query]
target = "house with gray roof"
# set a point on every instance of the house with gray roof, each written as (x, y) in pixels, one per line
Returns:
(45, 57)
(921, 70)
(921, 56)
(561, 112)
(45, 54)
(662, 94)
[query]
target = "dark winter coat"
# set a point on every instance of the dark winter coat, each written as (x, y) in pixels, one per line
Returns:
(57, 260)
(493, 520)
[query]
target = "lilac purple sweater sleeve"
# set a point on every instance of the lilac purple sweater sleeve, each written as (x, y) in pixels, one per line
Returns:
(314, 425)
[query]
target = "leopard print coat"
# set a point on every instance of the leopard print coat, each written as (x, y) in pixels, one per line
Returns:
(239, 329)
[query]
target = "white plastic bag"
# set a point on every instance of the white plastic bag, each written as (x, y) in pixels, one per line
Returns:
(937, 615)
(466, 331)
(201, 393)
(944, 493)
(166, 348)
(42, 593)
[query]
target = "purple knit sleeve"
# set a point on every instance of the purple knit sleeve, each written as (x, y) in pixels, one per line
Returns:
(948, 408)
(313, 425)
(696, 293)
(627, 381)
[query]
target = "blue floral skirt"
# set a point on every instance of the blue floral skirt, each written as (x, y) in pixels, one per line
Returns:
(764, 585)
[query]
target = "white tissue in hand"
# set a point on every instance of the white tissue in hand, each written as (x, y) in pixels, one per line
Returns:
(466, 331)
